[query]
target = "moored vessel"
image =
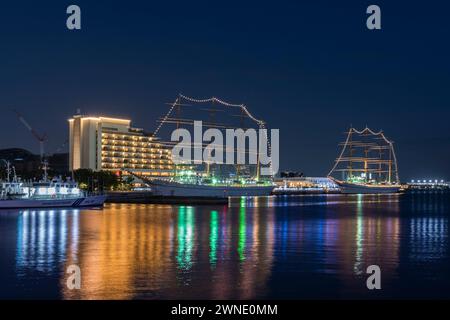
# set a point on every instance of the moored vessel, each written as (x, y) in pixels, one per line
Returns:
(212, 176)
(365, 188)
(178, 189)
(367, 164)
(55, 193)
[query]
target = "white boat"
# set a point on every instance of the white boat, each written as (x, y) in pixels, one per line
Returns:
(177, 189)
(88, 201)
(55, 193)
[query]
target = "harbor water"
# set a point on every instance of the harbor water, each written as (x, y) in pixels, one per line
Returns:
(285, 247)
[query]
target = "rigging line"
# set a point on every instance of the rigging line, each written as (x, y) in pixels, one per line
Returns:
(379, 133)
(395, 161)
(261, 123)
(393, 153)
(367, 129)
(342, 152)
(214, 99)
(269, 147)
(166, 117)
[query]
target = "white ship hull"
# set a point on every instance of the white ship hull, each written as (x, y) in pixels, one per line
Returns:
(174, 189)
(90, 201)
(354, 188)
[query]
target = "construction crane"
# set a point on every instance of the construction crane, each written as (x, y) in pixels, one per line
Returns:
(41, 138)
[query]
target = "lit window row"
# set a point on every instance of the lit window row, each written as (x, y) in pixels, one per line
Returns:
(116, 160)
(131, 148)
(133, 155)
(135, 166)
(157, 173)
(122, 159)
(128, 140)
(128, 144)
(126, 137)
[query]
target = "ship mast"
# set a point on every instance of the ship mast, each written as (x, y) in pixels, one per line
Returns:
(8, 169)
(351, 153)
(362, 152)
(366, 152)
(257, 164)
(173, 116)
(390, 165)
(45, 169)
(379, 165)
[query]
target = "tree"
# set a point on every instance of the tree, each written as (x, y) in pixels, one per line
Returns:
(96, 180)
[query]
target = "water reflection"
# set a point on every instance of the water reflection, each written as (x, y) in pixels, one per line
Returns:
(428, 239)
(185, 237)
(259, 248)
(242, 233)
(41, 239)
(359, 237)
(214, 227)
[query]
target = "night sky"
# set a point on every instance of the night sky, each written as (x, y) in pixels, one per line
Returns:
(309, 68)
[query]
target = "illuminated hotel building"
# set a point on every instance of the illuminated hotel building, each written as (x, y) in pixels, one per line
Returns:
(102, 143)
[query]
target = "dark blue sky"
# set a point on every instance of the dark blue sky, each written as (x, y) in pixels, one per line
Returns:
(309, 68)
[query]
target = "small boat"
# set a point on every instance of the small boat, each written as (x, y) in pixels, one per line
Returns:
(367, 164)
(55, 193)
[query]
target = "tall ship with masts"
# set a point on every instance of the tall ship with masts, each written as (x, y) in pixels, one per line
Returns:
(366, 164)
(211, 179)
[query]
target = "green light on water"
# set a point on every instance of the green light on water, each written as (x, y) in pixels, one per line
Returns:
(242, 233)
(180, 234)
(189, 235)
(242, 203)
(214, 231)
(185, 236)
(359, 236)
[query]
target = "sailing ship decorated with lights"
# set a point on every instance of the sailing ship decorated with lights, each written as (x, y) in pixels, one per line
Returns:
(366, 164)
(210, 180)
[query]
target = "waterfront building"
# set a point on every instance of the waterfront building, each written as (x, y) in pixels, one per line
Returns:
(300, 183)
(104, 143)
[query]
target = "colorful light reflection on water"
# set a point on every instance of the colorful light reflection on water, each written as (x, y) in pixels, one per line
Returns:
(286, 247)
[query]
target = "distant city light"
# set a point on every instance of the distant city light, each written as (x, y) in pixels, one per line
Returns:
(428, 181)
